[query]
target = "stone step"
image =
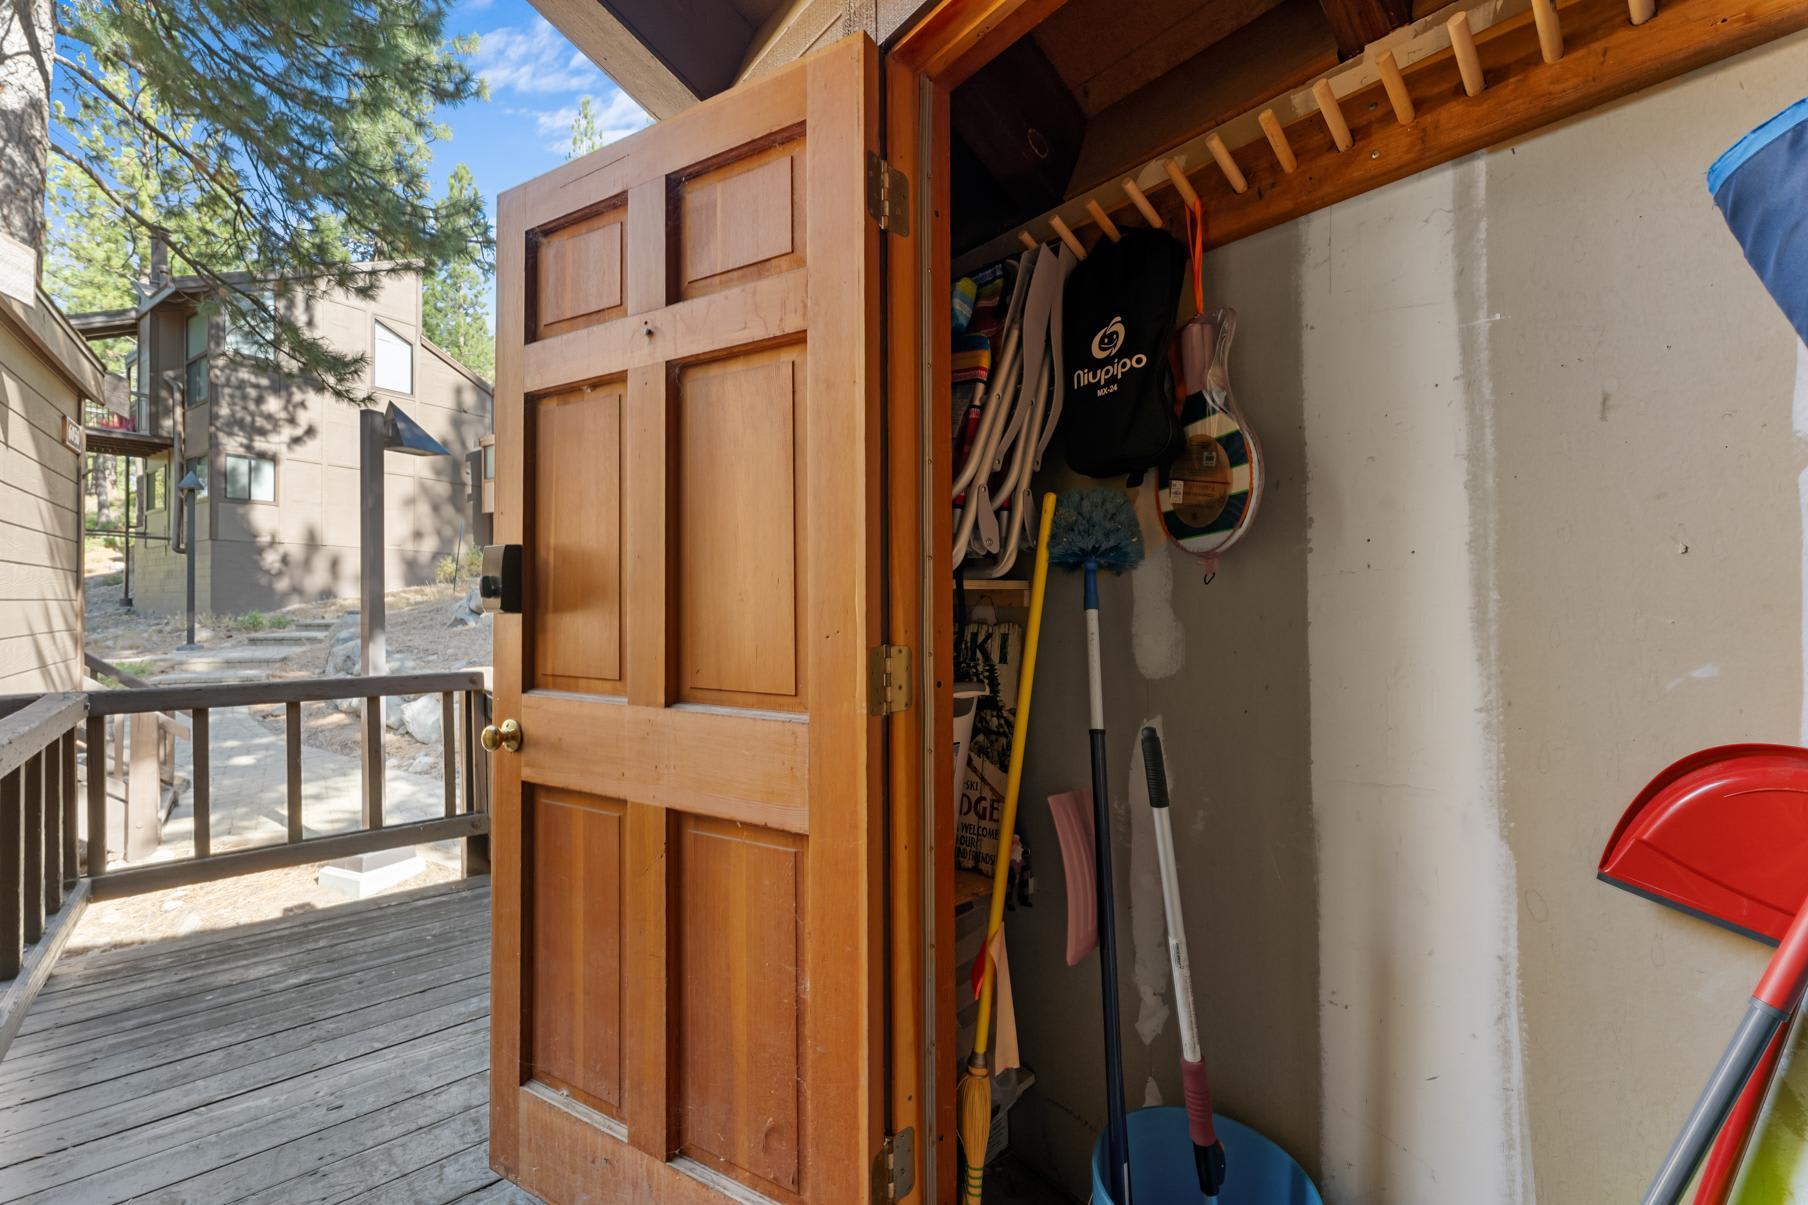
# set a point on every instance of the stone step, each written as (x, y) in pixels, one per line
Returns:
(207, 677)
(237, 656)
(301, 636)
(314, 625)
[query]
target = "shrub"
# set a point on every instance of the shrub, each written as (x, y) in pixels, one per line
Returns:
(468, 564)
(253, 621)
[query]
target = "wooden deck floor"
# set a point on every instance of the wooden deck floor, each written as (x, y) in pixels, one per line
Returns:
(333, 1056)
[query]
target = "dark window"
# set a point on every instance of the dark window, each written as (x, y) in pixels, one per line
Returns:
(250, 478)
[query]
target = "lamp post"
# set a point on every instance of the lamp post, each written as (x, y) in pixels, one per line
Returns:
(190, 488)
(378, 432)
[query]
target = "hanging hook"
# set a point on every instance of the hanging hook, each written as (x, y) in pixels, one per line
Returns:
(1333, 114)
(1067, 236)
(1641, 10)
(1462, 44)
(1103, 220)
(1182, 185)
(1226, 164)
(1277, 138)
(1028, 240)
(1395, 83)
(1550, 30)
(1142, 204)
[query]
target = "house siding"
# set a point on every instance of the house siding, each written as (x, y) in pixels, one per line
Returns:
(305, 544)
(40, 524)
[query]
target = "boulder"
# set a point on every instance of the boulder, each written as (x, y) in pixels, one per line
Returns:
(421, 718)
(426, 763)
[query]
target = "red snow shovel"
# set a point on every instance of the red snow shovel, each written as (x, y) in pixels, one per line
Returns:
(1723, 835)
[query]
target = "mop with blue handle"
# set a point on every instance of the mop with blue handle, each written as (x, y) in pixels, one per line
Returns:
(1096, 529)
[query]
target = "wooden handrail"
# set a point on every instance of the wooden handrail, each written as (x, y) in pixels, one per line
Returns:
(298, 690)
(37, 827)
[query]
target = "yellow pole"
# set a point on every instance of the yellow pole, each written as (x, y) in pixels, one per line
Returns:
(975, 1092)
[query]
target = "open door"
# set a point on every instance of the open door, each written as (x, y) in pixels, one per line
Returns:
(687, 993)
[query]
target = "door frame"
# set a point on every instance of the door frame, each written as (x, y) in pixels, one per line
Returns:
(921, 67)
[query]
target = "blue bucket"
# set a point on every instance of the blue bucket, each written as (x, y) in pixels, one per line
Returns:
(1256, 1171)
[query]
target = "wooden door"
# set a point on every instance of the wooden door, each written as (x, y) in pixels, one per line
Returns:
(687, 948)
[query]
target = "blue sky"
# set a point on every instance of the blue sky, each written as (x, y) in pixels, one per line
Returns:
(536, 79)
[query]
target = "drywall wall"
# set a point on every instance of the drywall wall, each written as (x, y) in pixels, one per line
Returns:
(1537, 531)
(1648, 556)
(1223, 668)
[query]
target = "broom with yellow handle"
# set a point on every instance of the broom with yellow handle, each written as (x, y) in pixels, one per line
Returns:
(976, 1085)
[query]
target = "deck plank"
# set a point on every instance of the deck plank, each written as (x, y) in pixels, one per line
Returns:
(328, 1057)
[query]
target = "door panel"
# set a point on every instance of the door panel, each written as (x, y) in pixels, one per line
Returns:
(740, 900)
(687, 942)
(575, 921)
(577, 530)
(739, 488)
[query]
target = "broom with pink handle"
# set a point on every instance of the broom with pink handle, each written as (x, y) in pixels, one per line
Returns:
(1208, 1152)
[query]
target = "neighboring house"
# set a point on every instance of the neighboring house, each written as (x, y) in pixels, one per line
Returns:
(279, 455)
(47, 372)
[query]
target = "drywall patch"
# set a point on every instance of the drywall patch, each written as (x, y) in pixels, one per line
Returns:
(1157, 637)
(1699, 674)
(1148, 920)
(1419, 1014)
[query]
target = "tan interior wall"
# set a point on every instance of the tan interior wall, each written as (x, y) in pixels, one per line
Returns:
(1534, 531)
(40, 521)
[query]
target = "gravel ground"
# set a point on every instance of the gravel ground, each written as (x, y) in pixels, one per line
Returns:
(207, 906)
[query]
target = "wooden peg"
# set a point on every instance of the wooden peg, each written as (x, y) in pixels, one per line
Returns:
(1182, 185)
(1333, 112)
(1550, 30)
(1462, 44)
(1277, 138)
(1642, 10)
(1395, 83)
(1028, 240)
(1226, 164)
(1103, 220)
(1142, 204)
(1067, 236)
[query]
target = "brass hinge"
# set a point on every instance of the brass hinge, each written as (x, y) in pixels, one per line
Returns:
(888, 678)
(895, 1168)
(887, 195)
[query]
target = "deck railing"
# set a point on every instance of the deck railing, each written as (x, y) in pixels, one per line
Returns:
(41, 892)
(463, 709)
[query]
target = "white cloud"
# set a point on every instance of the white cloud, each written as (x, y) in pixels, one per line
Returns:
(616, 114)
(534, 58)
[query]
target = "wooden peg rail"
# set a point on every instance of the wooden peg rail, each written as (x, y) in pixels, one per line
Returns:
(1525, 72)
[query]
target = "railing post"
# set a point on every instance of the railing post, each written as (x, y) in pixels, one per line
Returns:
(203, 795)
(292, 760)
(97, 796)
(12, 875)
(51, 758)
(144, 788)
(31, 807)
(72, 870)
(448, 750)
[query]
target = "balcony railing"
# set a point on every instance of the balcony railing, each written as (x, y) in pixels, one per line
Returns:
(45, 881)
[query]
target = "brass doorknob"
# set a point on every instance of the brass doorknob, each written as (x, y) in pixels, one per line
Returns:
(507, 737)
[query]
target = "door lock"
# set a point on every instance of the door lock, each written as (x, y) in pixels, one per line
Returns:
(508, 736)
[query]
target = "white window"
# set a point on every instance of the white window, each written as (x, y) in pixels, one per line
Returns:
(250, 478)
(392, 364)
(248, 329)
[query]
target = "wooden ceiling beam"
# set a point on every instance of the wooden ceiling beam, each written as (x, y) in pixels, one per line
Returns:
(1356, 23)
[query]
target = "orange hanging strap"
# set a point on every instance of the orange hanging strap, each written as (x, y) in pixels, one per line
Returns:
(1195, 225)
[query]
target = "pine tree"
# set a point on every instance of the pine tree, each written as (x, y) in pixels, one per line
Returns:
(586, 131)
(455, 304)
(282, 138)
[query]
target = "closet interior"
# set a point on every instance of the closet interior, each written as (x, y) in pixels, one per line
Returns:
(1145, 134)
